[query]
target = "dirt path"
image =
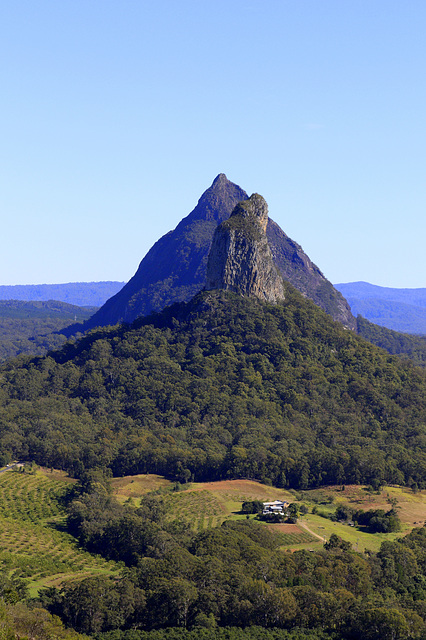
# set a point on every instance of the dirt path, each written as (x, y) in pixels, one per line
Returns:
(316, 535)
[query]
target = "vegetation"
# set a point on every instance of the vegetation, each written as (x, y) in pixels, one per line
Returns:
(233, 576)
(35, 327)
(229, 581)
(222, 387)
(376, 520)
(207, 630)
(401, 344)
(34, 546)
(252, 506)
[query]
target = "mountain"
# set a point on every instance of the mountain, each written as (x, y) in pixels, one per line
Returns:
(43, 310)
(81, 294)
(248, 379)
(398, 309)
(404, 345)
(174, 269)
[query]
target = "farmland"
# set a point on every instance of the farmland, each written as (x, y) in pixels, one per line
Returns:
(204, 505)
(34, 545)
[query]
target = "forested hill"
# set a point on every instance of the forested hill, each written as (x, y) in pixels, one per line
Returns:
(35, 327)
(221, 387)
(402, 344)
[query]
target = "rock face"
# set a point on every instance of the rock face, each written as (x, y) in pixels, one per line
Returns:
(174, 269)
(240, 259)
(297, 268)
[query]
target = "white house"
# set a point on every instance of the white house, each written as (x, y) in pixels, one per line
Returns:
(277, 506)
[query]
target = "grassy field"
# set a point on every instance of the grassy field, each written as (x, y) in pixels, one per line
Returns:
(200, 505)
(411, 509)
(32, 544)
(135, 487)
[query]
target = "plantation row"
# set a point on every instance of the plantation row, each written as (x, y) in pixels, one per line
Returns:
(33, 546)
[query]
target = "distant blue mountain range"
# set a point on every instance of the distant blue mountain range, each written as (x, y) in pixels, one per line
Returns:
(398, 309)
(82, 294)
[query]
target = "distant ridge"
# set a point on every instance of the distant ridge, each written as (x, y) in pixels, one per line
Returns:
(81, 294)
(34, 327)
(402, 310)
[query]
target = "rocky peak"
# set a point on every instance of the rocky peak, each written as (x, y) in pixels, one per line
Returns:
(254, 210)
(218, 201)
(174, 269)
(240, 259)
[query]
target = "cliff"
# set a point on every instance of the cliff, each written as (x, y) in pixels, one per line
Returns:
(174, 269)
(240, 259)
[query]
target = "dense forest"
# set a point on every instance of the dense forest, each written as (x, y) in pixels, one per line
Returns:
(221, 387)
(35, 327)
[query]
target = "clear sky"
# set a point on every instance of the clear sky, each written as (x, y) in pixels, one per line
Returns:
(117, 115)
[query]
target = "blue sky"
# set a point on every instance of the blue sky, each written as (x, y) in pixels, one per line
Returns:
(117, 115)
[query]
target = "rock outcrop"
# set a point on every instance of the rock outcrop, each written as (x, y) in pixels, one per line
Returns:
(240, 259)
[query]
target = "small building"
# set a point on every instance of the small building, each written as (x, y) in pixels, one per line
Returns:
(276, 506)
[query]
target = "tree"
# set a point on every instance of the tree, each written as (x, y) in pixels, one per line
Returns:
(335, 542)
(252, 506)
(382, 624)
(171, 601)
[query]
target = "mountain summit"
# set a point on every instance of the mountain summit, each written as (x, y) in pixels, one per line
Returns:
(175, 267)
(240, 259)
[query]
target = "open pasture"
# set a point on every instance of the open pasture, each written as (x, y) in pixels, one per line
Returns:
(411, 506)
(135, 487)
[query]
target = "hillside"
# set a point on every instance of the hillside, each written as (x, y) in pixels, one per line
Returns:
(33, 543)
(404, 345)
(222, 387)
(81, 294)
(204, 505)
(174, 269)
(34, 328)
(402, 310)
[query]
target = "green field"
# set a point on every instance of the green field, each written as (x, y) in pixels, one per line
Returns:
(33, 545)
